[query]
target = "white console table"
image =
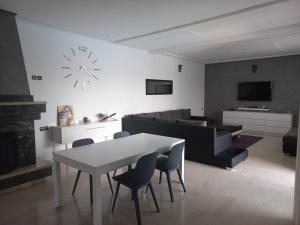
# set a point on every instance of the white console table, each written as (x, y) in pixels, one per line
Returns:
(279, 123)
(95, 130)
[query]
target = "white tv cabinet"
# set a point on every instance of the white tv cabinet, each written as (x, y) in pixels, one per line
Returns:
(279, 123)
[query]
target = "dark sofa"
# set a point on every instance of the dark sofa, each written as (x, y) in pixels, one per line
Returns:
(289, 142)
(203, 144)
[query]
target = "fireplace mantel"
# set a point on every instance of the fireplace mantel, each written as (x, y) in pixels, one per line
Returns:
(22, 103)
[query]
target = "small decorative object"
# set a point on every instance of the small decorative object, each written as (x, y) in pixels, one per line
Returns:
(102, 117)
(254, 68)
(86, 119)
(80, 65)
(180, 68)
(65, 115)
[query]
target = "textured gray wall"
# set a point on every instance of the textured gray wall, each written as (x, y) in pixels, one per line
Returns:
(221, 81)
(13, 78)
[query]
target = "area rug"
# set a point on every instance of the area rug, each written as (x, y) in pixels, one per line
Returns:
(245, 141)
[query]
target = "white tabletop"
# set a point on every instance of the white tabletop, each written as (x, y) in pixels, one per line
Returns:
(109, 155)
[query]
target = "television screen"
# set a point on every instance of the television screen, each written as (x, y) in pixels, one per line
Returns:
(255, 91)
(159, 87)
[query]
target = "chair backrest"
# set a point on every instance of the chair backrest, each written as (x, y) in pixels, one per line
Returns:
(82, 142)
(175, 156)
(121, 134)
(144, 169)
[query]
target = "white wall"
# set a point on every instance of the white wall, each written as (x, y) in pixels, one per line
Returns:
(121, 87)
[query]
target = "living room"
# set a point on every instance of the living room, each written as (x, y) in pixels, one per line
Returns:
(97, 61)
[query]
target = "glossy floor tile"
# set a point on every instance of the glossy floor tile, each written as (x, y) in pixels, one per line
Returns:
(257, 191)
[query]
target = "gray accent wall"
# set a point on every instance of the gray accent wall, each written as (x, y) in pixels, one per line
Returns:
(13, 78)
(221, 80)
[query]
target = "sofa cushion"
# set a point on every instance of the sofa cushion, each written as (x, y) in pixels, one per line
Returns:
(186, 114)
(177, 114)
(152, 115)
(139, 115)
(192, 122)
(142, 116)
(167, 120)
(166, 114)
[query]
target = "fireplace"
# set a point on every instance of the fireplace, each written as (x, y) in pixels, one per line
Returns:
(18, 111)
(8, 153)
(17, 140)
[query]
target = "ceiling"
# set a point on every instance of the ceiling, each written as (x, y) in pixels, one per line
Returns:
(206, 31)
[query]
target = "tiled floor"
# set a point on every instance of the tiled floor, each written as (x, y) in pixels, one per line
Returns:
(258, 191)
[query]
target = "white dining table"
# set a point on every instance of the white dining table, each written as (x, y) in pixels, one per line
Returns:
(100, 158)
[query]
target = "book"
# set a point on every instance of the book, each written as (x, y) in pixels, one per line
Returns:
(65, 115)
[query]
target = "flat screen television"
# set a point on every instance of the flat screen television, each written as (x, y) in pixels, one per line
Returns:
(255, 91)
(159, 87)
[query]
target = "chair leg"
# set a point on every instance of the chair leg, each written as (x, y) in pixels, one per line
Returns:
(137, 207)
(154, 198)
(160, 176)
(115, 198)
(115, 172)
(146, 189)
(181, 181)
(91, 188)
(170, 186)
(76, 182)
(110, 184)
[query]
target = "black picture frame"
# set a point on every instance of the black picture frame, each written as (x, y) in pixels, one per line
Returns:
(159, 87)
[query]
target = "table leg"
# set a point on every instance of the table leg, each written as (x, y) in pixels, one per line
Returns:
(97, 204)
(57, 183)
(181, 166)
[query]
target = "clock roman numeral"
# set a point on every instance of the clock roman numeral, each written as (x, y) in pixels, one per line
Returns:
(67, 58)
(82, 48)
(75, 83)
(97, 69)
(97, 78)
(90, 54)
(66, 67)
(90, 83)
(68, 75)
(73, 51)
(94, 61)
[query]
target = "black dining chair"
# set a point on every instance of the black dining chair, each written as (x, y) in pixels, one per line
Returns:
(120, 135)
(79, 143)
(137, 178)
(170, 164)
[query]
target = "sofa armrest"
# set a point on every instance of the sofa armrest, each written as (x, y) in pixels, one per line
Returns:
(223, 141)
(203, 118)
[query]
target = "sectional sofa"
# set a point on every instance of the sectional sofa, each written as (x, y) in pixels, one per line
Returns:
(203, 144)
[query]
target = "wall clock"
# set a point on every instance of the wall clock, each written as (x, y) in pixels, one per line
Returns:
(81, 67)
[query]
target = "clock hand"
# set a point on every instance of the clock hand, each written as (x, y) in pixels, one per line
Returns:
(95, 69)
(84, 70)
(87, 73)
